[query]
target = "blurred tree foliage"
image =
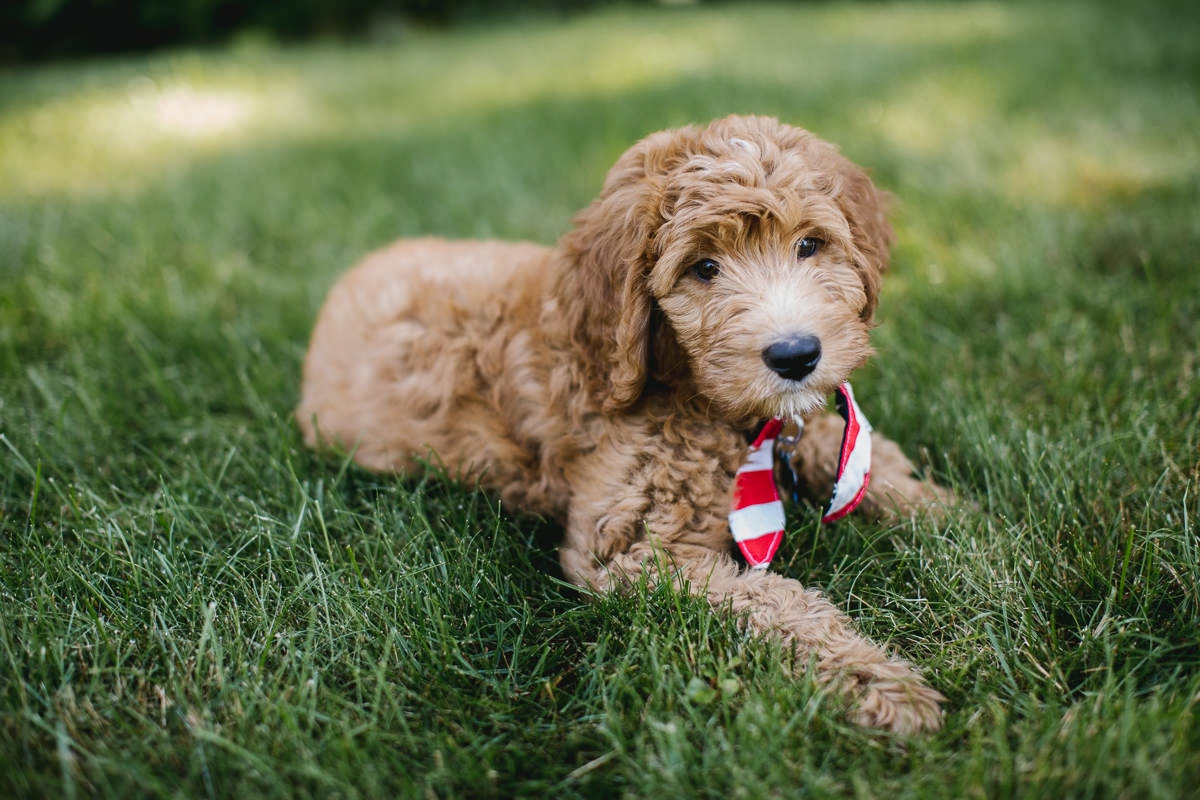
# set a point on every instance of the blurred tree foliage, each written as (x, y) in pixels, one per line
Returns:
(37, 29)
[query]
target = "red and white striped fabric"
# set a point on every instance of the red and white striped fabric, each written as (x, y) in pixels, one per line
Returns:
(854, 462)
(756, 518)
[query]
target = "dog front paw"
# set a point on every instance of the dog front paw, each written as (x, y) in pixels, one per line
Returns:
(903, 704)
(883, 691)
(896, 492)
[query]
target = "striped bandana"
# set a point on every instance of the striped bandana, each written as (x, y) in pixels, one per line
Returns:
(756, 517)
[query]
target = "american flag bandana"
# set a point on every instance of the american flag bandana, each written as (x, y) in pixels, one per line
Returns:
(756, 517)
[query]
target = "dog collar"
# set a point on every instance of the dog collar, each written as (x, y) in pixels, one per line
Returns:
(756, 518)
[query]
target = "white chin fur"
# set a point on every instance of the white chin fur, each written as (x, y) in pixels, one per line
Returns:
(799, 404)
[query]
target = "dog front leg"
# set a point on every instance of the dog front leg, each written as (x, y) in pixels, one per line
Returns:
(894, 490)
(884, 692)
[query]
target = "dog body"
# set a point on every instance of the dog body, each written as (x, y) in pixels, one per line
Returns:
(723, 275)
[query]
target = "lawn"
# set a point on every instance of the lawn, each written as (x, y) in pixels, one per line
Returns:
(192, 604)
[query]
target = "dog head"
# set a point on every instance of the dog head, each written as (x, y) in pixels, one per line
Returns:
(742, 259)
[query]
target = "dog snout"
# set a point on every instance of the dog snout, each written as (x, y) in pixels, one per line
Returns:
(793, 358)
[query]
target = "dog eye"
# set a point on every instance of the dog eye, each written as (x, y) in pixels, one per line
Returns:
(807, 247)
(706, 269)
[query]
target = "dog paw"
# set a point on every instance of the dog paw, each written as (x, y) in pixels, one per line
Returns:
(882, 691)
(903, 708)
(908, 497)
(895, 492)
(901, 703)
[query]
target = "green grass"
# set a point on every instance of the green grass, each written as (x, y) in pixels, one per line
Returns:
(193, 604)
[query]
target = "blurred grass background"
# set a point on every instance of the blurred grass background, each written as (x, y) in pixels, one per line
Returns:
(194, 605)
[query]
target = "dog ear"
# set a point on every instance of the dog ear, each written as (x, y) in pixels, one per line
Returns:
(603, 290)
(865, 208)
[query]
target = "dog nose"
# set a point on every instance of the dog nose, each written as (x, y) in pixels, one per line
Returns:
(793, 358)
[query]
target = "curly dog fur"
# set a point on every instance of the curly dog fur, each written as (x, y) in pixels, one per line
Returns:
(611, 384)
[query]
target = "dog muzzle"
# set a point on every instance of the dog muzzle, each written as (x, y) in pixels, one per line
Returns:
(756, 518)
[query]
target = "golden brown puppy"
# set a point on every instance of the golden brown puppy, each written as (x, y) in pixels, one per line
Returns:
(611, 382)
